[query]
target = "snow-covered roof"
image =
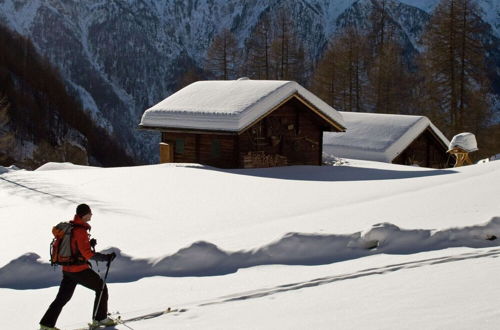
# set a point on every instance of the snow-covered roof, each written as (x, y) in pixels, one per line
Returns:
(465, 141)
(378, 137)
(230, 105)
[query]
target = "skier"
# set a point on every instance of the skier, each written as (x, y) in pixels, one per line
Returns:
(81, 273)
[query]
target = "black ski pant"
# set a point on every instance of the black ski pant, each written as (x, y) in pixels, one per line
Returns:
(89, 279)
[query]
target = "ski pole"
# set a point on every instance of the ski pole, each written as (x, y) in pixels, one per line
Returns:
(102, 289)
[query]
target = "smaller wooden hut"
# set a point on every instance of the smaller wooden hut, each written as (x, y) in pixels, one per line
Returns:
(242, 124)
(461, 146)
(397, 139)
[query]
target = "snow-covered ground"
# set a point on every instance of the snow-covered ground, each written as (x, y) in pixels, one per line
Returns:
(361, 245)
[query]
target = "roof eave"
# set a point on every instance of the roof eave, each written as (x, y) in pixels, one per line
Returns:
(335, 125)
(186, 130)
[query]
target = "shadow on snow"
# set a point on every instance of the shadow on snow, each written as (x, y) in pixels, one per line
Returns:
(206, 259)
(330, 173)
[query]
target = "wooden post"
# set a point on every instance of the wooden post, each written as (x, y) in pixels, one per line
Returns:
(166, 153)
(461, 157)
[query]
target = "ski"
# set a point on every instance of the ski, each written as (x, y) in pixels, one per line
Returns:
(90, 326)
(117, 317)
(147, 316)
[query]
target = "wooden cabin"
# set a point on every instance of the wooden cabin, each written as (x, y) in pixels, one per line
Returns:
(242, 124)
(397, 139)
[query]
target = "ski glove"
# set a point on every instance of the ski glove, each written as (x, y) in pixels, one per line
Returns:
(93, 243)
(104, 257)
(111, 256)
(100, 257)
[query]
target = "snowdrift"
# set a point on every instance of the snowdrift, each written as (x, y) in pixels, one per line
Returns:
(8, 169)
(380, 244)
(207, 259)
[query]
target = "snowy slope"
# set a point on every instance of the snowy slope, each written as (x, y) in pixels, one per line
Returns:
(490, 10)
(364, 244)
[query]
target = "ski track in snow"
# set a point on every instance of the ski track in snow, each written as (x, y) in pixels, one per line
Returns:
(491, 253)
(48, 191)
(206, 259)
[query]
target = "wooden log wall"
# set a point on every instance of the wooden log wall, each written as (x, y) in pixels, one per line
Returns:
(292, 133)
(217, 150)
(426, 151)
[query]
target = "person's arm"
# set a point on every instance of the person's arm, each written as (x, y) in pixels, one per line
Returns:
(83, 243)
(84, 246)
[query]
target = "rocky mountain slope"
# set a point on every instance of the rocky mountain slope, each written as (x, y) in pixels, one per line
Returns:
(122, 56)
(39, 120)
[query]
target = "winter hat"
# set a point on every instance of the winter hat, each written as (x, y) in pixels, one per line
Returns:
(82, 210)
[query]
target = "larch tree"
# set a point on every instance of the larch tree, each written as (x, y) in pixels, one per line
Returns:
(288, 59)
(258, 46)
(389, 75)
(454, 68)
(223, 56)
(274, 50)
(191, 75)
(325, 79)
(390, 80)
(6, 137)
(339, 77)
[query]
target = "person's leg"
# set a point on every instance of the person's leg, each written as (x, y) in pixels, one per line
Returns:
(91, 280)
(65, 293)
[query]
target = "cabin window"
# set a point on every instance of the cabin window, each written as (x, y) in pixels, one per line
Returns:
(215, 148)
(179, 146)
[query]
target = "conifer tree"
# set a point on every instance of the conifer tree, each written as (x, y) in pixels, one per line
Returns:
(223, 58)
(389, 76)
(259, 48)
(6, 137)
(191, 75)
(288, 59)
(325, 79)
(339, 78)
(275, 50)
(453, 66)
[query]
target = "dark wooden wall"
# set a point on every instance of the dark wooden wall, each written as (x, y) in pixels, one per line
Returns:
(427, 151)
(290, 135)
(293, 132)
(210, 149)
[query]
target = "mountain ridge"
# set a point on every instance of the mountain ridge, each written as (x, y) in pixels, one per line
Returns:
(121, 57)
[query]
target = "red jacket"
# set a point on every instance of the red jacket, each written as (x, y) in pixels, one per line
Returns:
(80, 244)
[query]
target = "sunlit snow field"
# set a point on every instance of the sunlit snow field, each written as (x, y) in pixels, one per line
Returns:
(364, 244)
